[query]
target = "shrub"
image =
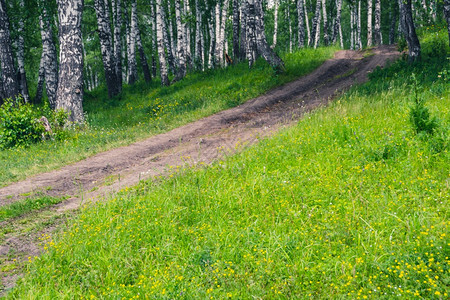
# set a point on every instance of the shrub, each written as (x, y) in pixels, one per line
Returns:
(419, 114)
(20, 125)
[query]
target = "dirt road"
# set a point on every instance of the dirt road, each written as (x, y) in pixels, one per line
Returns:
(202, 141)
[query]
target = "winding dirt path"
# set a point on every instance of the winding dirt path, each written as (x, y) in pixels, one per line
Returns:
(200, 142)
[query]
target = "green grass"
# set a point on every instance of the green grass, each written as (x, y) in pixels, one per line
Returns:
(22, 207)
(144, 110)
(349, 203)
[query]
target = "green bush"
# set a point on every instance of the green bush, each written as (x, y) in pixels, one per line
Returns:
(20, 125)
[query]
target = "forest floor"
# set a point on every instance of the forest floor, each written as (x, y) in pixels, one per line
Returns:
(200, 142)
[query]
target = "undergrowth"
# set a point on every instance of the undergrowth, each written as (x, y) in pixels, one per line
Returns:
(144, 109)
(349, 203)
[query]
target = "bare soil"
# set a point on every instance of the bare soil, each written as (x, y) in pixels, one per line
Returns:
(202, 141)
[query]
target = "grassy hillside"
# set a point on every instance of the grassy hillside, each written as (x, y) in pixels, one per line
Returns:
(349, 203)
(147, 109)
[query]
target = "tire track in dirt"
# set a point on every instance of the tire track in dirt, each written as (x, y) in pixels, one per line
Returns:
(202, 141)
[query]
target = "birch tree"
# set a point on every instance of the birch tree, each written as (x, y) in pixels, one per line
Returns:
(409, 31)
(70, 84)
(199, 51)
(325, 21)
(315, 31)
(49, 57)
(275, 24)
(22, 80)
(117, 17)
(377, 26)
(236, 25)
(131, 50)
(262, 46)
(301, 24)
(369, 23)
(9, 78)
(337, 30)
(106, 45)
(447, 17)
(181, 71)
(160, 40)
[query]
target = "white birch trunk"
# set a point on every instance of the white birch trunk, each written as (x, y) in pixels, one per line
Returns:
(369, 23)
(275, 29)
(378, 39)
(359, 40)
(308, 31)
(315, 24)
(301, 24)
(9, 78)
(69, 96)
(161, 51)
(117, 10)
(50, 58)
(181, 71)
(325, 21)
(23, 86)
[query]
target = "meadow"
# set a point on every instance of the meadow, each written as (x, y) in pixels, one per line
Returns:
(351, 202)
(144, 110)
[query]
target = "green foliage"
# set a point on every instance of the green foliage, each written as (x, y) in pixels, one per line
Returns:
(435, 42)
(343, 205)
(22, 207)
(420, 117)
(144, 109)
(20, 125)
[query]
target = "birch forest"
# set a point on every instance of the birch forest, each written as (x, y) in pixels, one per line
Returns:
(56, 50)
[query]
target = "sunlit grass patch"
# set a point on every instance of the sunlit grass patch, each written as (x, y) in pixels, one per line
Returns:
(21, 207)
(348, 203)
(144, 109)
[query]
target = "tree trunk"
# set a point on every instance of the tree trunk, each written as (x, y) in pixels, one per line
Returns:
(352, 27)
(50, 58)
(409, 31)
(142, 56)
(325, 22)
(40, 84)
(301, 24)
(10, 84)
(223, 21)
(447, 17)
(117, 11)
(169, 39)
(337, 23)
(131, 50)
(275, 24)
(181, 71)
(236, 25)
(106, 45)
(154, 37)
(288, 19)
(263, 47)
(199, 58)
(394, 17)
(359, 40)
(70, 84)
(369, 23)
(315, 25)
(161, 51)
(187, 34)
(378, 39)
(251, 35)
(212, 40)
(23, 86)
(307, 21)
(243, 36)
